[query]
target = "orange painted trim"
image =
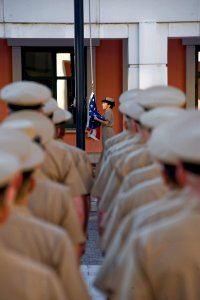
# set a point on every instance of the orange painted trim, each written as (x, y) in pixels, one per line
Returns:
(5, 63)
(5, 72)
(177, 64)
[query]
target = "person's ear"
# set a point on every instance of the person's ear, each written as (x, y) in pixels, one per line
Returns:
(134, 125)
(125, 124)
(18, 180)
(56, 133)
(32, 184)
(181, 175)
(164, 174)
(9, 197)
(4, 213)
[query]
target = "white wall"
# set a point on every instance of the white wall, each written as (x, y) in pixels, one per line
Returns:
(149, 10)
(103, 11)
(47, 11)
(145, 24)
(1, 10)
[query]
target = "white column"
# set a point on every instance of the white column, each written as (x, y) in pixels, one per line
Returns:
(125, 64)
(133, 56)
(152, 55)
(147, 55)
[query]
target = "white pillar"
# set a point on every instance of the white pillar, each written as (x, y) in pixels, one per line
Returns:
(133, 56)
(147, 55)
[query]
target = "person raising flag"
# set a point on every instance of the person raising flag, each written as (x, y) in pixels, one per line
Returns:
(95, 119)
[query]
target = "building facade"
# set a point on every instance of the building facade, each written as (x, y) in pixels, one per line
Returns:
(135, 44)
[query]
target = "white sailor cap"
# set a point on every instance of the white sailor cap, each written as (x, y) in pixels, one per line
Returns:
(20, 145)
(43, 126)
(9, 166)
(25, 93)
(128, 95)
(157, 96)
(61, 115)
(185, 137)
(177, 139)
(131, 109)
(159, 115)
(158, 145)
(49, 107)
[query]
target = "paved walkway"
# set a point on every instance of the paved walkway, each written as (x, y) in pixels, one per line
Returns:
(91, 261)
(92, 254)
(89, 273)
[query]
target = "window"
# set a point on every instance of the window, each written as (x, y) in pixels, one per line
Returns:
(53, 67)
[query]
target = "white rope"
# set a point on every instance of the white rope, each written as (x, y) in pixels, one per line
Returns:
(91, 58)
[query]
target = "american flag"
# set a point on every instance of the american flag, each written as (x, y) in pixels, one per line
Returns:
(93, 126)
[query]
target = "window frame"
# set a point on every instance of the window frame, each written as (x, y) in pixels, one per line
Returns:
(54, 51)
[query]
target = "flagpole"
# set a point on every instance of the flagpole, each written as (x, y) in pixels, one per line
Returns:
(79, 73)
(91, 58)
